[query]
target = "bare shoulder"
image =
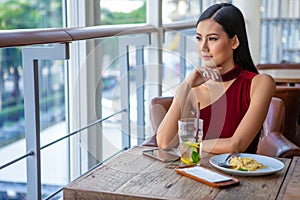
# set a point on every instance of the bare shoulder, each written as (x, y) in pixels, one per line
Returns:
(263, 80)
(263, 83)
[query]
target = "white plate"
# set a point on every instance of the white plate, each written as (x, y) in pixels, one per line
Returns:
(273, 165)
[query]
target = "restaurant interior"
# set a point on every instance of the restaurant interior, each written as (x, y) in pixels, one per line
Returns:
(83, 97)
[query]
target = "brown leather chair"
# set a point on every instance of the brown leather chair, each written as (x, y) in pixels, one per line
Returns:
(291, 98)
(271, 143)
(158, 109)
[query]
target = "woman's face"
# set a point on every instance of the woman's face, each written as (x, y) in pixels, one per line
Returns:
(214, 45)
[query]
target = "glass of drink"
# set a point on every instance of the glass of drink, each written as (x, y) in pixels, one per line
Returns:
(190, 140)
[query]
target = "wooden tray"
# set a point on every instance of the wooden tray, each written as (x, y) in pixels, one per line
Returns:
(222, 184)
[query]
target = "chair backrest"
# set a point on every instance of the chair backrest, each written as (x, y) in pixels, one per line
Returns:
(271, 143)
(274, 120)
(291, 99)
(158, 110)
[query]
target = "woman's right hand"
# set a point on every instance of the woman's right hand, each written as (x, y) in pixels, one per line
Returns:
(200, 75)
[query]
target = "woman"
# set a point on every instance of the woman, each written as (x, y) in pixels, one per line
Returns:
(232, 118)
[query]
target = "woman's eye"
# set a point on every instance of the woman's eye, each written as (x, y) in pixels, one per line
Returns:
(212, 39)
(198, 38)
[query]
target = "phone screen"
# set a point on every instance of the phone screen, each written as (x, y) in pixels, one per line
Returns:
(161, 155)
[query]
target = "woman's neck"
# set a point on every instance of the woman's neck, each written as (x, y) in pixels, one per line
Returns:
(231, 74)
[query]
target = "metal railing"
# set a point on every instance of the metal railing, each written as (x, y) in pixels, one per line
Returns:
(10, 38)
(30, 153)
(31, 98)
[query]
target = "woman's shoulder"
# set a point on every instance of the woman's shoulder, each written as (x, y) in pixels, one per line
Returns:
(263, 83)
(264, 78)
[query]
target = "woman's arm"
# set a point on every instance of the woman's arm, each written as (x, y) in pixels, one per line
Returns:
(262, 90)
(181, 107)
(167, 130)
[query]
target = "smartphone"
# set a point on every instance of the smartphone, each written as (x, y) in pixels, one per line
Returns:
(161, 155)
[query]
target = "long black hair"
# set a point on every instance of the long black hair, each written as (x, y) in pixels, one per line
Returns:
(233, 23)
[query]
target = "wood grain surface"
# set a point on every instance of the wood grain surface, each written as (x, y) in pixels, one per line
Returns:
(291, 185)
(131, 175)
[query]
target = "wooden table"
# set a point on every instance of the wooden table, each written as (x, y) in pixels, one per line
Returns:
(131, 175)
(283, 75)
(291, 185)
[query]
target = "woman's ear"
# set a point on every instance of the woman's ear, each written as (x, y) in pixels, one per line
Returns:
(235, 42)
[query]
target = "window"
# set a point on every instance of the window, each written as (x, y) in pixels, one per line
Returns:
(29, 14)
(122, 12)
(88, 86)
(280, 32)
(181, 10)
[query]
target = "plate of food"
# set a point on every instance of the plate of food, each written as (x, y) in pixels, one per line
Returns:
(247, 164)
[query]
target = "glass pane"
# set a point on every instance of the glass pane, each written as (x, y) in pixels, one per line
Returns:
(12, 125)
(111, 99)
(12, 128)
(54, 169)
(95, 95)
(181, 10)
(123, 11)
(280, 38)
(30, 14)
(180, 54)
(13, 179)
(25, 14)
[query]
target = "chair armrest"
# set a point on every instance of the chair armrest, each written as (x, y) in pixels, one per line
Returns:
(275, 144)
(150, 142)
(158, 110)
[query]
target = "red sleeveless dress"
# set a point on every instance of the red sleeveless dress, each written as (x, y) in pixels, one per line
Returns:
(221, 118)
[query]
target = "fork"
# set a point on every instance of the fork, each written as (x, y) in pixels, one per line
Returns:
(225, 163)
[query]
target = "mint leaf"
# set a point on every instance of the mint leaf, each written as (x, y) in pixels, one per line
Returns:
(195, 157)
